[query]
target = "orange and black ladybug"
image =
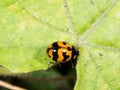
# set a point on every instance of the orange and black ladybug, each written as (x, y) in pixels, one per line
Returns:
(62, 52)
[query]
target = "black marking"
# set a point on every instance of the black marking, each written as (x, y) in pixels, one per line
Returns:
(74, 52)
(55, 54)
(65, 56)
(55, 45)
(48, 49)
(69, 49)
(64, 43)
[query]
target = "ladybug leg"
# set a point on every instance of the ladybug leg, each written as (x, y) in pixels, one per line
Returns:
(72, 64)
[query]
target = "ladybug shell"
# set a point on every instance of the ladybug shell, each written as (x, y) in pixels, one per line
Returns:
(62, 52)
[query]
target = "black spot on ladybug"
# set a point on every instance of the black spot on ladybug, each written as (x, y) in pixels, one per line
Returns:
(65, 56)
(55, 55)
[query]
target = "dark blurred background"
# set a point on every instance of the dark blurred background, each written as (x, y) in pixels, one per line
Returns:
(59, 77)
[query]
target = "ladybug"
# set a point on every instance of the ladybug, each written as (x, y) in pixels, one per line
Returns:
(62, 52)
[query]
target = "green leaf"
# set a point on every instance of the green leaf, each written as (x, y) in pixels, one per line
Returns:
(28, 27)
(98, 65)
